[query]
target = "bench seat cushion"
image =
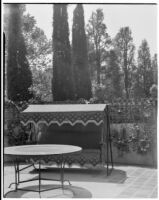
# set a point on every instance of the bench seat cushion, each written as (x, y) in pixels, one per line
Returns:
(88, 137)
(85, 157)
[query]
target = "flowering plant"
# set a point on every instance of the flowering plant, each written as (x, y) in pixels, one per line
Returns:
(137, 140)
(17, 134)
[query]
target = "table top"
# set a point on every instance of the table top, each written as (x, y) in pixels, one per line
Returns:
(41, 150)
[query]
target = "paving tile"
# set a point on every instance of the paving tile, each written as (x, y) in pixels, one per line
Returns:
(148, 188)
(129, 180)
(124, 196)
(129, 191)
(124, 182)
(153, 186)
(154, 194)
(143, 193)
(150, 184)
(138, 183)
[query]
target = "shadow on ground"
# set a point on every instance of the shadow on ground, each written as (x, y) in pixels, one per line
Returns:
(68, 192)
(85, 175)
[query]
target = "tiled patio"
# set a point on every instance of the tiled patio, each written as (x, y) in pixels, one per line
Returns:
(124, 182)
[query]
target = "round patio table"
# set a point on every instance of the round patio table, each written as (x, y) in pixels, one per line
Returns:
(38, 152)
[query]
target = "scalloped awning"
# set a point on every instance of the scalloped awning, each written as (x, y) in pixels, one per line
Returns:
(61, 114)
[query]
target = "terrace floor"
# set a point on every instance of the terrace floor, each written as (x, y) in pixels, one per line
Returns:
(124, 182)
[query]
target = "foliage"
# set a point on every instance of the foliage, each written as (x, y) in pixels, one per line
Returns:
(9, 103)
(113, 74)
(19, 77)
(17, 134)
(62, 83)
(39, 48)
(110, 64)
(99, 40)
(155, 69)
(99, 93)
(79, 55)
(120, 141)
(135, 140)
(132, 136)
(123, 42)
(139, 134)
(39, 54)
(12, 127)
(42, 84)
(144, 71)
(154, 91)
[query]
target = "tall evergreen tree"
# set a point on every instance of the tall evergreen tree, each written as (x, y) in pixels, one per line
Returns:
(19, 77)
(79, 55)
(62, 82)
(145, 70)
(124, 44)
(155, 68)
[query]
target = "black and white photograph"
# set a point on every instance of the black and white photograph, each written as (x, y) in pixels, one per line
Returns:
(79, 84)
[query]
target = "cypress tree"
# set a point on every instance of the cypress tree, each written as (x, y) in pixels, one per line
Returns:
(62, 83)
(19, 77)
(145, 70)
(79, 55)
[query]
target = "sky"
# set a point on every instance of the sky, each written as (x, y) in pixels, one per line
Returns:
(142, 20)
